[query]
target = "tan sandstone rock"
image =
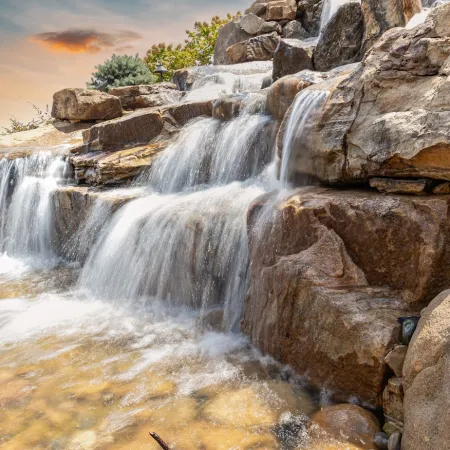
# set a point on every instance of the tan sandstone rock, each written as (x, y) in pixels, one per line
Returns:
(427, 379)
(281, 10)
(85, 104)
(259, 48)
(394, 186)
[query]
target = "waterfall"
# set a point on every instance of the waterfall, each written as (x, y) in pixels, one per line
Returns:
(301, 135)
(330, 8)
(185, 243)
(26, 185)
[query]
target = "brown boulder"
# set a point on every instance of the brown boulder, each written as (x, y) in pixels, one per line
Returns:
(84, 104)
(331, 272)
(139, 127)
(147, 96)
(349, 424)
(340, 42)
(281, 10)
(292, 56)
(259, 48)
(396, 358)
(427, 379)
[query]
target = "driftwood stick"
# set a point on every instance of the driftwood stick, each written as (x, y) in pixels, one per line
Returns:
(159, 441)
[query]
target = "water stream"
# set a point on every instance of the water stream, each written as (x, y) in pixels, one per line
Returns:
(134, 325)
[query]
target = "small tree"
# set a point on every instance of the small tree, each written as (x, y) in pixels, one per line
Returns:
(198, 48)
(121, 70)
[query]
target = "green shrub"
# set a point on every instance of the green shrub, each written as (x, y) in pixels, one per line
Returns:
(121, 70)
(16, 126)
(198, 48)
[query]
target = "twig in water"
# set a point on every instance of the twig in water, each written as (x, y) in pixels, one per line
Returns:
(159, 441)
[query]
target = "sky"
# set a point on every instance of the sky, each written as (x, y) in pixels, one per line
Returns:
(47, 45)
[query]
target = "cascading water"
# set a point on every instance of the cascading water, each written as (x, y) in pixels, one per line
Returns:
(26, 185)
(301, 135)
(186, 243)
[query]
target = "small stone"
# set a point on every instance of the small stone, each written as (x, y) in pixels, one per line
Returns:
(393, 399)
(270, 27)
(399, 186)
(443, 188)
(390, 427)
(381, 440)
(395, 441)
(396, 358)
(350, 423)
(294, 30)
(108, 398)
(251, 24)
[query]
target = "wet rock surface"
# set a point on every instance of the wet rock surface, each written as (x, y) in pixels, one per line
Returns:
(292, 56)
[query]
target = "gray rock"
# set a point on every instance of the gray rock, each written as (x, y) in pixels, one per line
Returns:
(259, 8)
(270, 27)
(309, 13)
(292, 56)
(340, 42)
(295, 30)
(395, 441)
(251, 24)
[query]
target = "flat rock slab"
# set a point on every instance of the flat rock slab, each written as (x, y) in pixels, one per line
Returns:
(85, 105)
(399, 186)
(104, 168)
(139, 127)
(184, 112)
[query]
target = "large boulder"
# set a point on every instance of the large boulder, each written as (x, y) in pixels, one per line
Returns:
(281, 10)
(294, 30)
(259, 8)
(84, 104)
(427, 379)
(309, 14)
(184, 112)
(139, 127)
(331, 272)
(382, 15)
(282, 93)
(147, 96)
(389, 117)
(259, 48)
(341, 40)
(292, 56)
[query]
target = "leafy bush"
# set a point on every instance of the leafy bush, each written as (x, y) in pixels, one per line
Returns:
(16, 126)
(198, 48)
(121, 70)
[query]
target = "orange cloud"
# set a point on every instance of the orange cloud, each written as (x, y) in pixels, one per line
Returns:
(85, 40)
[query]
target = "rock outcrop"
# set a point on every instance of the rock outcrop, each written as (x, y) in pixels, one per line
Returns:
(331, 272)
(388, 118)
(85, 105)
(147, 96)
(341, 40)
(427, 379)
(292, 56)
